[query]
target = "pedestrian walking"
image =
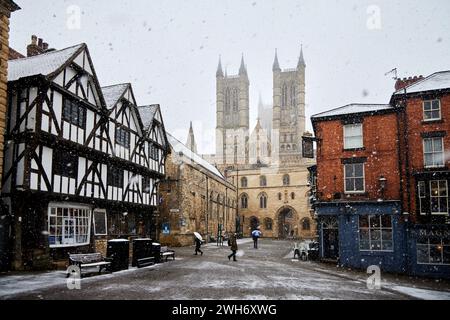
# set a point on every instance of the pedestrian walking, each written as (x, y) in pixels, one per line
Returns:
(232, 242)
(256, 234)
(198, 244)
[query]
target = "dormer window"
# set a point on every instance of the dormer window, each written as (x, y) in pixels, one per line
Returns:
(431, 110)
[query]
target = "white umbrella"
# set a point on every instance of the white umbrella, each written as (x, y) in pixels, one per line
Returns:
(198, 236)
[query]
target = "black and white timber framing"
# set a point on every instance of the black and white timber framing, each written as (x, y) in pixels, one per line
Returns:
(80, 162)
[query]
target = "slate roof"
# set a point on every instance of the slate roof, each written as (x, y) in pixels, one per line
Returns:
(113, 93)
(147, 114)
(437, 81)
(352, 109)
(44, 64)
(179, 147)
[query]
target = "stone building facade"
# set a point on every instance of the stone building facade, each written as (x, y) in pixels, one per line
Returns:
(6, 8)
(258, 162)
(195, 197)
(276, 200)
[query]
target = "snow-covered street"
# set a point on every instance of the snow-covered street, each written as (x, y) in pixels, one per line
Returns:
(266, 273)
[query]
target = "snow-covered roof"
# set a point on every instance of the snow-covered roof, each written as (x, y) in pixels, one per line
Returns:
(43, 64)
(113, 93)
(179, 147)
(436, 81)
(147, 114)
(353, 108)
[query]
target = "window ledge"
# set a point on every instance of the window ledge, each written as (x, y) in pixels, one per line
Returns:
(433, 121)
(354, 149)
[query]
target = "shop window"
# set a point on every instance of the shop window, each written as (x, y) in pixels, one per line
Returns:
(433, 250)
(68, 225)
(375, 233)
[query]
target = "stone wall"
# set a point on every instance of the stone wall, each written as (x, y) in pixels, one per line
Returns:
(194, 200)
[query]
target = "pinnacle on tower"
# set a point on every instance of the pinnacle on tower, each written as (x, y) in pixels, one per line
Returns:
(276, 65)
(219, 72)
(190, 143)
(242, 68)
(301, 60)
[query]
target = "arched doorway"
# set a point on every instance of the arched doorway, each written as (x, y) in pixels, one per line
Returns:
(254, 223)
(286, 228)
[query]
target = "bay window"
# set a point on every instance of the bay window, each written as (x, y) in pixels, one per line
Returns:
(68, 225)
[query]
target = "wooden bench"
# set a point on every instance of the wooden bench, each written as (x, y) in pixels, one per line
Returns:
(145, 262)
(88, 260)
(166, 253)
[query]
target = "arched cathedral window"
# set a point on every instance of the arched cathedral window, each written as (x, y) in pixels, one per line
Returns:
(263, 201)
(293, 95)
(227, 100)
(235, 99)
(284, 95)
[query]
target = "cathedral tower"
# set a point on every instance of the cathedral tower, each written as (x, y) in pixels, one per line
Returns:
(288, 111)
(232, 116)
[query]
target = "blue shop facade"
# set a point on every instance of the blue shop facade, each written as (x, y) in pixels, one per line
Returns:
(364, 233)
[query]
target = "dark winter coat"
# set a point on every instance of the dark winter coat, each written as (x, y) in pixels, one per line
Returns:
(198, 243)
(233, 243)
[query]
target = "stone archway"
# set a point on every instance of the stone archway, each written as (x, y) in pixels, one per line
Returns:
(287, 227)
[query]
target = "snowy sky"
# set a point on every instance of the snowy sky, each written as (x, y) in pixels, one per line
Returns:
(168, 49)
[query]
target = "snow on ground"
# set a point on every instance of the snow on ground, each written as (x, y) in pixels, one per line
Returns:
(422, 293)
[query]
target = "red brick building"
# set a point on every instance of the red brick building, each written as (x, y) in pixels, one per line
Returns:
(358, 199)
(382, 180)
(424, 114)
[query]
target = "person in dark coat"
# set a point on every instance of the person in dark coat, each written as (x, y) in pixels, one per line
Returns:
(233, 246)
(198, 244)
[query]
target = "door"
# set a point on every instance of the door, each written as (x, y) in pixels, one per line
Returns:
(68, 235)
(330, 239)
(330, 244)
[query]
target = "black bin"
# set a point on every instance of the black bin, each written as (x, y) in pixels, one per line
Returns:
(156, 251)
(142, 248)
(118, 250)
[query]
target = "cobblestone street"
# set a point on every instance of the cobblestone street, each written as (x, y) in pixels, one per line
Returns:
(266, 273)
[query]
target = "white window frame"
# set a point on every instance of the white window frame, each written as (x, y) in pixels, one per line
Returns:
(54, 205)
(428, 246)
(438, 197)
(433, 153)
(421, 196)
(381, 228)
(431, 105)
(106, 222)
(363, 177)
(346, 127)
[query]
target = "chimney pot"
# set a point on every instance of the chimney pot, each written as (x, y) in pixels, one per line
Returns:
(40, 42)
(45, 45)
(33, 39)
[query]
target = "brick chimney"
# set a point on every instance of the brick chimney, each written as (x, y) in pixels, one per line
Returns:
(36, 47)
(402, 83)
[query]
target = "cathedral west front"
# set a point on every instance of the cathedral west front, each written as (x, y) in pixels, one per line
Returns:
(265, 163)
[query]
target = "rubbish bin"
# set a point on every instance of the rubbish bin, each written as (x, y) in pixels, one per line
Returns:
(118, 250)
(142, 248)
(156, 251)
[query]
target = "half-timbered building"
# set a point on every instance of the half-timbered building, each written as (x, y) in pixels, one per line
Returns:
(80, 165)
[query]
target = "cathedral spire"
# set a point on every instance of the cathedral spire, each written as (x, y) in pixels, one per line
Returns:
(219, 72)
(242, 68)
(301, 60)
(190, 143)
(276, 65)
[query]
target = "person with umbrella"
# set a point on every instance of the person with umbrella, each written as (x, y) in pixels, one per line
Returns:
(232, 242)
(198, 243)
(255, 235)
